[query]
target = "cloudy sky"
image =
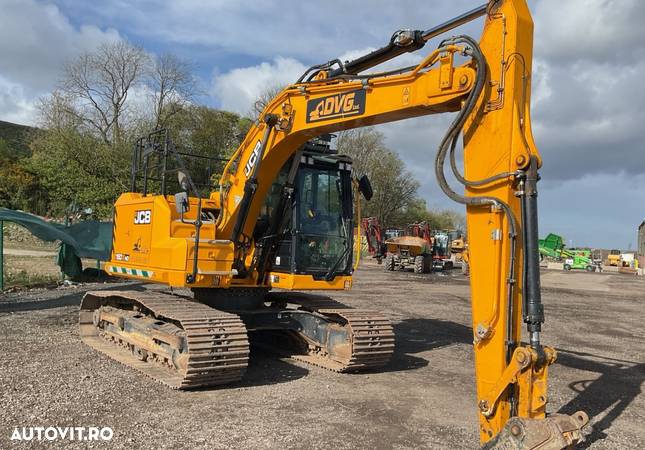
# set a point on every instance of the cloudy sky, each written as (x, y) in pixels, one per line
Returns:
(588, 96)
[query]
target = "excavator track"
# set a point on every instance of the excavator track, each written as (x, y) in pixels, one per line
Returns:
(176, 341)
(372, 342)
(370, 336)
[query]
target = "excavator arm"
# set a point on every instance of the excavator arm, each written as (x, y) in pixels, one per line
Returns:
(490, 92)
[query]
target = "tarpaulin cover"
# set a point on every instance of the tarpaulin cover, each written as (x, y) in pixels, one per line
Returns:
(88, 239)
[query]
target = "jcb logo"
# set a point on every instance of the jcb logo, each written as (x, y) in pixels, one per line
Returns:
(339, 105)
(253, 159)
(142, 217)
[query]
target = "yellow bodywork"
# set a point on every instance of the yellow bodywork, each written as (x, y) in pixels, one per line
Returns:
(497, 138)
(160, 247)
(614, 258)
(458, 248)
(412, 245)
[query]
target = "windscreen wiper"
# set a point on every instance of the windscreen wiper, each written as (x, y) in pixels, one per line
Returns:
(332, 271)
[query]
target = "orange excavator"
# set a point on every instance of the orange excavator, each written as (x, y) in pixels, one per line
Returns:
(282, 220)
(374, 237)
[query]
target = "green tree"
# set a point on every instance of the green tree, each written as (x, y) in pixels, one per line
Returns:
(208, 132)
(92, 121)
(5, 152)
(19, 187)
(417, 211)
(81, 168)
(396, 202)
(395, 189)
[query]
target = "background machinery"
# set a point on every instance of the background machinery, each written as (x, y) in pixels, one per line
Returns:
(420, 248)
(282, 217)
(414, 249)
(613, 259)
(579, 259)
(552, 247)
(375, 238)
(459, 250)
(393, 233)
(442, 254)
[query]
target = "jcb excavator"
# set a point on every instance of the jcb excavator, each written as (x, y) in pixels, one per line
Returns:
(283, 218)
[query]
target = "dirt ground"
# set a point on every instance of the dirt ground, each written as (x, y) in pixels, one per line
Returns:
(425, 398)
(29, 266)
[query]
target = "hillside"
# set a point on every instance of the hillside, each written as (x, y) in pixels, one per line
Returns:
(16, 138)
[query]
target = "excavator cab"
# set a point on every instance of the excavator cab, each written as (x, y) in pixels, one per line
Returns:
(316, 236)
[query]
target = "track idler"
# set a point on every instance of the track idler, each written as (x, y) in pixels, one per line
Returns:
(556, 432)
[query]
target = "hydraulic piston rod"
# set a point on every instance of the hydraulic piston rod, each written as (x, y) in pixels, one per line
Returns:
(416, 41)
(532, 304)
(455, 22)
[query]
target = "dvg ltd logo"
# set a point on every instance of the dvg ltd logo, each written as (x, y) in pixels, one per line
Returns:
(333, 106)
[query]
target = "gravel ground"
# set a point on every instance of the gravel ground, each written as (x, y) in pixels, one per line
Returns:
(424, 398)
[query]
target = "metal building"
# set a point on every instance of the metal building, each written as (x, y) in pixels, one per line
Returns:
(641, 238)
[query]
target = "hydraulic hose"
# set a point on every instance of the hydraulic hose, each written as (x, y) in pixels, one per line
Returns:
(473, 183)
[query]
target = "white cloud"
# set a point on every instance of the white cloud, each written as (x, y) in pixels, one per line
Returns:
(587, 100)
(304, 29)
(15, 106)
(353, 54)
(238, 89)
(593, 30)
(36, 39)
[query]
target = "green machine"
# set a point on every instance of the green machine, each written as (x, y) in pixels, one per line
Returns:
(579, 259)
(553, 247)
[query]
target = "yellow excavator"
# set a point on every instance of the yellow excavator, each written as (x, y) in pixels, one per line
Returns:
(282, 220)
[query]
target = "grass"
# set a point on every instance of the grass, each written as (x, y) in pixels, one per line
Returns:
(30, 271)
(38, 246)
(25, 279)
(18, 237)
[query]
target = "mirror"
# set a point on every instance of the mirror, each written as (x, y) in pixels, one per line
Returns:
(183, 180)
(181, 202)
(365, 187)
